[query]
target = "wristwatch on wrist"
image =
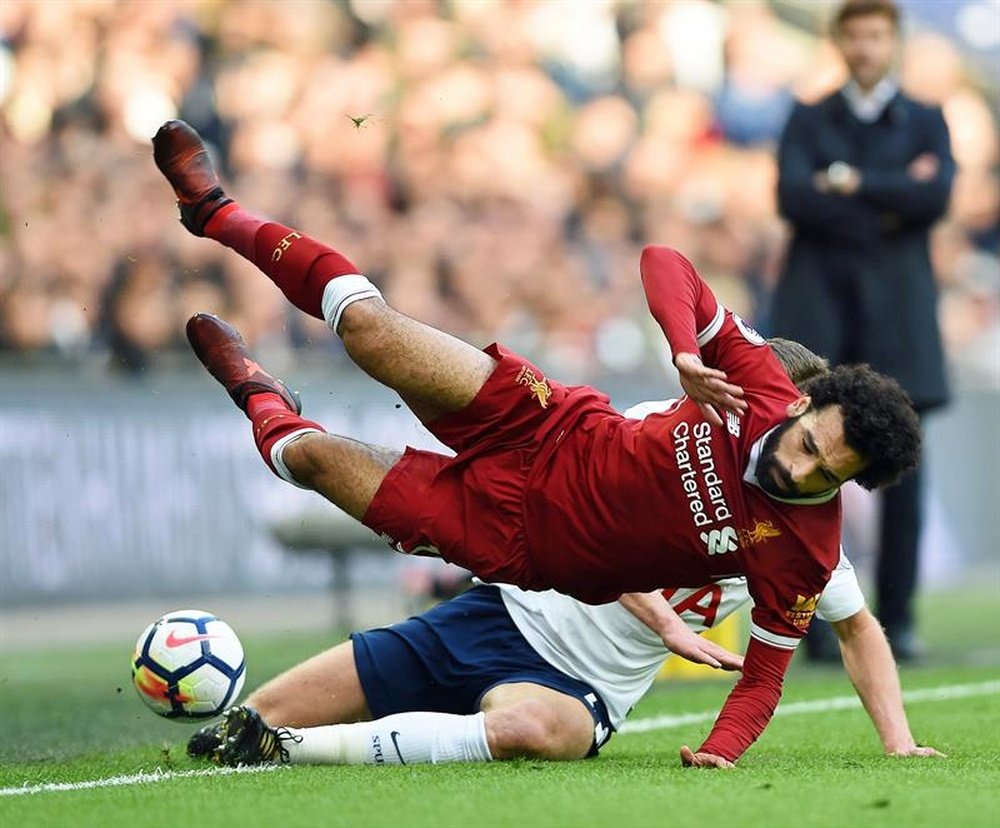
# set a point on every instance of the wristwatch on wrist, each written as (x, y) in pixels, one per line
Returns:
(838, 174)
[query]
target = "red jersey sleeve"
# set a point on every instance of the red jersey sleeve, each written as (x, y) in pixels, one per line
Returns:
(785, 600)
(693, 321)
(679, 300)
(751, 702)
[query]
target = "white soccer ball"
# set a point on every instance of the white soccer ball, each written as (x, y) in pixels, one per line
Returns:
(188, 665)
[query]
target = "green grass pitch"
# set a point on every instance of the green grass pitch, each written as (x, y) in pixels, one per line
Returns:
(73, 717)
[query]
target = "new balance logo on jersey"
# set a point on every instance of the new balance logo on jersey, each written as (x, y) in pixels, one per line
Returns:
(720, 541)
(423, 550)
(733, 423)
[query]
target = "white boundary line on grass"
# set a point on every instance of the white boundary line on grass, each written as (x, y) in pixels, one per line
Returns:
(943, 693)
(157, 775)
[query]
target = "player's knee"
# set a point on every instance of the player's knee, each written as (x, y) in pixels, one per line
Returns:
(362, 322)
(302, 457)
(535, 729)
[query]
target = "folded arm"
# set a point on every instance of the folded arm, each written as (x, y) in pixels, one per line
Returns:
(821, 214)
(919, 194)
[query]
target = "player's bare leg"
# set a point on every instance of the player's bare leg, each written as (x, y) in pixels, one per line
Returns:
(317, 713)
(522, 719)
(345, 471)
(529, 720)
(322, 690)
(433, 372)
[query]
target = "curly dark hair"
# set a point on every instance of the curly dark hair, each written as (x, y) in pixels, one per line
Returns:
(880, 423)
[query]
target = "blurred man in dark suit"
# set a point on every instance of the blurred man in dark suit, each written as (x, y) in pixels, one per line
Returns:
(864, 174)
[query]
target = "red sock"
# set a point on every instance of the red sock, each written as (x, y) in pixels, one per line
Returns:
(296, 263)
(272, 419)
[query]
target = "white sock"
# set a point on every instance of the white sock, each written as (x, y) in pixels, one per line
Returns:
(278, 448)
(400, 739)
(342, 291)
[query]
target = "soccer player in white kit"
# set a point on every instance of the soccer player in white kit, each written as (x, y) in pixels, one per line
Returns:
(603, 659)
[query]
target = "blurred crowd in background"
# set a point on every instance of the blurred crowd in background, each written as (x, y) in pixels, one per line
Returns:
(494, 166)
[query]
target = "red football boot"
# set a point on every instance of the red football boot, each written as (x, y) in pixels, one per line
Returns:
(181, 156)
(223, 352)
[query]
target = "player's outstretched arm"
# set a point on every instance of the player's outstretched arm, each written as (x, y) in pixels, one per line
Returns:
(872, 670)
(653, 610)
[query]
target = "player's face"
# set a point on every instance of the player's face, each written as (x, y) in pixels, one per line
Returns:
(867, 44)
(807, 454)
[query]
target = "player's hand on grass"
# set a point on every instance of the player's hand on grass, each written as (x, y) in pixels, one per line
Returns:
(918, 750)
(708, 388)
(690, 759)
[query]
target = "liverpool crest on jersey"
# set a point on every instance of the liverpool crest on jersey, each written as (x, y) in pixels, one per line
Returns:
(539, 388)
(762, 530)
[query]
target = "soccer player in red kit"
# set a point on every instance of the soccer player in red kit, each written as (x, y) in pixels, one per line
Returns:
(550, 486)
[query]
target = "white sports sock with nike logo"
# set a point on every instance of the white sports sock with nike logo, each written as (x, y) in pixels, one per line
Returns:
(400, 739)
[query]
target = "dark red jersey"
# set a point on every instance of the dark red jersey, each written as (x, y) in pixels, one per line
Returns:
(552, 488)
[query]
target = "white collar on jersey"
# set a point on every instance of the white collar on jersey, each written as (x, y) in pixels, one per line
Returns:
(750, 476)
